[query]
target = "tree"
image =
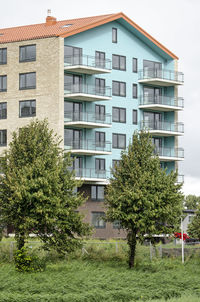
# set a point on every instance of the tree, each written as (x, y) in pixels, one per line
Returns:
(37, 190)
(194, 226)
(191, 202)
(141, 195)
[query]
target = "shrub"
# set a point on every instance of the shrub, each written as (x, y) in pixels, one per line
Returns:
(28, 263)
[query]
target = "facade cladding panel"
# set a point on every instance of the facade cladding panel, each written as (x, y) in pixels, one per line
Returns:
(49, 58)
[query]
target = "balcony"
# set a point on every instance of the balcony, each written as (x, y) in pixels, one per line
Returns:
(87, 147)
(180, 179)
(87, 64)
(161, 77)
(170, 154)
(161, 103)
(87, 120)
(158, 128)
(88, 93)
(92, 175)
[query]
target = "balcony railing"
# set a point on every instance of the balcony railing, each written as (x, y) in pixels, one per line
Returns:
(90, 145)
(89, 61)
(87, 89)
(162, 126)
(164, 74)
(180, 179)
(92, 173)
(90, 117)
(161, 100)
(169, 152)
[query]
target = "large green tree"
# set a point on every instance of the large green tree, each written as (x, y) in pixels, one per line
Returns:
(141, 195)
(194, 226)
(37, 190)
(191, 202)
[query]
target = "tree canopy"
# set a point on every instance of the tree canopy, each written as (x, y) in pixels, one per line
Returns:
(191, 202)
(145, 199)
(37, 192)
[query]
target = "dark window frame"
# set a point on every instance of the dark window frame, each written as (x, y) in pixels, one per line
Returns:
(3, 144)
(100, 160)
(1, 80)
(100, 213)
(31, 115)
(100, 62)
(3, 118)
(135, 65)
(120, 109)
(98, 142)
(135, 96)
(119, 82)
(119, 62)
(2, 62)
(96, 198)
(117, 147)
(27, 87)
(114, 36)
(135, 122)
(26, 59)
(115, 162)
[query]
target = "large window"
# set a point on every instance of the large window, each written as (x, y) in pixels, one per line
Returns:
(119, 88)
(119, 115)
(100, 85)
(97, 193)
(152, 69)
(3, 83)
(135, 65)
(3, 56)
(118, 62)
(119, 141)
(72, 55)
(27, 53)
(135, 93)
(98, 220)
(3, 111)
(114, 35)
(27, 80)
(100, 58)
(100, 164)
(100, 111)
(100, 138)
(3, 138)
(27, 108)
(135, 118)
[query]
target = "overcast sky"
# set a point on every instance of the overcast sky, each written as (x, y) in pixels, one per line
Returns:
(175, 23)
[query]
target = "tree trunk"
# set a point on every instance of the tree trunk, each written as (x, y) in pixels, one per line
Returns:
(132, 247)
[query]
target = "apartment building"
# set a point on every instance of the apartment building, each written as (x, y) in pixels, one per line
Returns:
(97, 80)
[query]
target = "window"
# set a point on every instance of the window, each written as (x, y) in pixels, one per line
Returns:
(100, 58)
(3, 111)
(152, 69)
(98, 220)
(119, 141)
(118, 62)
(27, 53)
(135, 119)
(114, 35)
(3, 138)
(27, 108)
(100, 86)
(115, 163)
(135, 91)
(72, 55)
(3, 83)
(97, 193)
(27, 80)
(119, 115)
(100, 138)
(100, 111)
(119, 88)
(3, 56)
(116, 224)
(100, 164)
(135, 65)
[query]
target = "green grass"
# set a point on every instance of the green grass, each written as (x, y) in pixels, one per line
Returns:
(110, 281)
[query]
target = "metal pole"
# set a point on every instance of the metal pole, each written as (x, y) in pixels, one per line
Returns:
(182, 240)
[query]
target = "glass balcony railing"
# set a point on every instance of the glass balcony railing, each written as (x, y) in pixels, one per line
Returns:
(87, 89)
(91, 173)
(164, 74)
(89, 61)
(161, 100)
(169, 152)
(162, 126)
(90, 117)
(89, 145)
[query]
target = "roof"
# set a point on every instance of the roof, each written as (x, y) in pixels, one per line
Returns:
(66, 28)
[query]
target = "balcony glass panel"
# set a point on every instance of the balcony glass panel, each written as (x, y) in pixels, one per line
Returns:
(164, 74)
(162, 126)
(161, 100)
(90, 117)
(90, 145)
(89, 61)
(170, 152)
(87, 89)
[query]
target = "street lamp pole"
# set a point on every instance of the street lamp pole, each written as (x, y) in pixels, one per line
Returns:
(182, 240)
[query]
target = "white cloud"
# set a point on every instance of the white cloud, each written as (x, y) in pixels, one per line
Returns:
(191, 185)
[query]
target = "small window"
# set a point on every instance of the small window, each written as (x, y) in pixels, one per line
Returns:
(27, 108)
(3, 83)
(100, 111)
(27, 80)
(27, 53)
(135, 119)
(100, 86)
(3, 138)
(118, 88)
(115, 163)
(100, 164)
(3, 56)
(135, 65)
(97, 193)
(119, 141)
(116, 224)
(100, 138)
(3, 111)
(118, 62)
(114, 35)
(100, 59)
(135, 91)
(98, 220)
(119, 115)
